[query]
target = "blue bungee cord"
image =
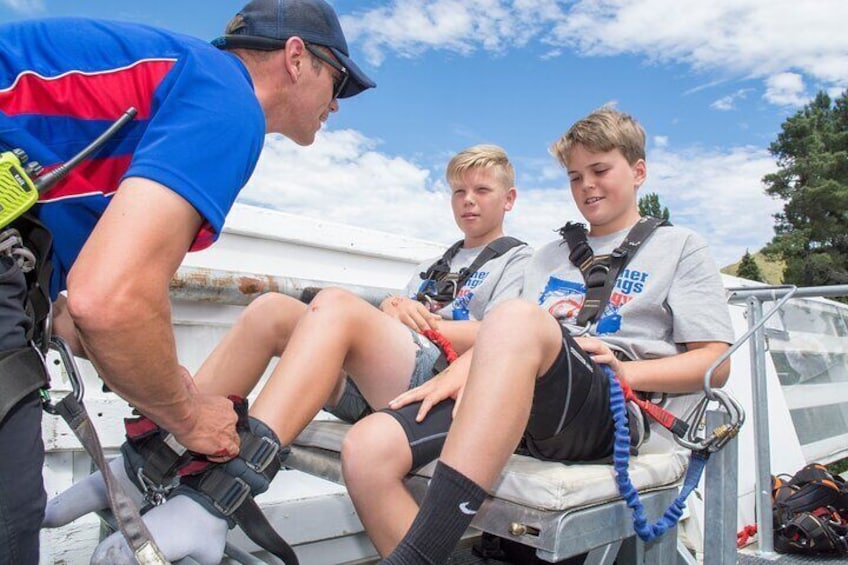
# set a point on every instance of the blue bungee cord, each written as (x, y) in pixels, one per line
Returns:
(621, 459)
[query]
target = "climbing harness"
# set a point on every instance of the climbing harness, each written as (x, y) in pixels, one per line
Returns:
(601, 272)
(228, 489)
(600, 275)
(810, 512)
(161, 468)
(440, 286)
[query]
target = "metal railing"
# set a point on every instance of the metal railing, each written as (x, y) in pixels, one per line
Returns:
(753, 298)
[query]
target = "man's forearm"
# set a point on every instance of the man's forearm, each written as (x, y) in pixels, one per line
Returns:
(136, 357)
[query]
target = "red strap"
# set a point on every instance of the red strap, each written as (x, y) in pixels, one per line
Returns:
(443, 343)
(744, 534)
(137, 427)
(665, 418)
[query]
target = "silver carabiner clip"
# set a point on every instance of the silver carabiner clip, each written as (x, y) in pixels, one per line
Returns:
(77, 384)
(719, 436)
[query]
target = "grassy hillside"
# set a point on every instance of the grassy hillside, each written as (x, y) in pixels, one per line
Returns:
(772, 270)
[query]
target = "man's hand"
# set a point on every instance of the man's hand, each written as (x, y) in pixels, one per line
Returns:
(411, 313)
(211, 429)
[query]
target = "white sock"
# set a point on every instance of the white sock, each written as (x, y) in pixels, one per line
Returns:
(87, 495)
(181, 528)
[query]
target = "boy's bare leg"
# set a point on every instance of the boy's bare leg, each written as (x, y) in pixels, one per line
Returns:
(339, 330)
(517, 343)
(375, 459)
(261, 333)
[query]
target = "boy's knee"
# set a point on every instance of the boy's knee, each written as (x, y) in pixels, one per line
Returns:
(276, 312)
(518, 318)
(342, 305)
(510, 311)
(377, 441)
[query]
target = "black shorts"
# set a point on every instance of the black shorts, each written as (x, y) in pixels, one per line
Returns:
(425, 438)
(570, 419)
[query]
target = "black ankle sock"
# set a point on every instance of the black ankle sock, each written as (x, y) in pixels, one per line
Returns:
(451, 502)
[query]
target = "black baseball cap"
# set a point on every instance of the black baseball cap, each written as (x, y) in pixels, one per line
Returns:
(267, 24)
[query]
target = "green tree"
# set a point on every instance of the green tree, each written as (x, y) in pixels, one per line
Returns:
(811, 233)
(748, 268)
(649, 205)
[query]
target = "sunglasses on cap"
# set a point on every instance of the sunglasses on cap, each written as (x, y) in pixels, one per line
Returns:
(339, 80)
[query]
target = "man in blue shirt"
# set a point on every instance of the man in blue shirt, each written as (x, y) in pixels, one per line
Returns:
(123, 220)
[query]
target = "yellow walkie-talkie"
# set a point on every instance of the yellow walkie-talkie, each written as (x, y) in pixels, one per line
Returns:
(21, 182)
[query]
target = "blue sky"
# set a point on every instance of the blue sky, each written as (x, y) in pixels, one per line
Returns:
(710, 81)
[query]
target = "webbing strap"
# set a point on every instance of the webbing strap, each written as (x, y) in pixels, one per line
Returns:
(600, 273)
(439, 270)
(231, 497)
(621, 459)
(21, 372)
(126, 513)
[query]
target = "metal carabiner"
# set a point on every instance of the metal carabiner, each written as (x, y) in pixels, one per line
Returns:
(719, 436)
(77, 384)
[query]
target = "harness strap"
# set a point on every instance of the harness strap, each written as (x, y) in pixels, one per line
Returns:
(21, 372)
(819, 532)
(39, 241)
(127, 515)
(659, 414)
(439, 271)
(600, 273)
(152, 458)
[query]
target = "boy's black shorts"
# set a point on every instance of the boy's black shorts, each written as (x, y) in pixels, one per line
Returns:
(570, 419)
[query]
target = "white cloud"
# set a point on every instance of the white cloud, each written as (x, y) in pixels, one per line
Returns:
(408, 27)
(729, 102)
(25, 6)
(786, 89)
(344, 178)
(660, 140)
(750, 38)
(719, 194)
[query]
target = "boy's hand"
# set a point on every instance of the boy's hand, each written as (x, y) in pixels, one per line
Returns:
(411, 313)
(447, 384)
(602, 354)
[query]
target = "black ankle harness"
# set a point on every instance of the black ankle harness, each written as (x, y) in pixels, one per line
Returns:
(162, 468)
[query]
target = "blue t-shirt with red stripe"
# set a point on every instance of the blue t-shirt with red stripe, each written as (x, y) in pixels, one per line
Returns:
(199, 128)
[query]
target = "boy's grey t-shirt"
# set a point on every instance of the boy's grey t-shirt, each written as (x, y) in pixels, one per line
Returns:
(498, 279)
(669, 294)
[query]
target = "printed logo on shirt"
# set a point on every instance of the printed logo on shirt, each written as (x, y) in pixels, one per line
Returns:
(466, 293)
(564, 299)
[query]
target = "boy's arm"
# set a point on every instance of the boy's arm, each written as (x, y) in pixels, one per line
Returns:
(679, 373)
